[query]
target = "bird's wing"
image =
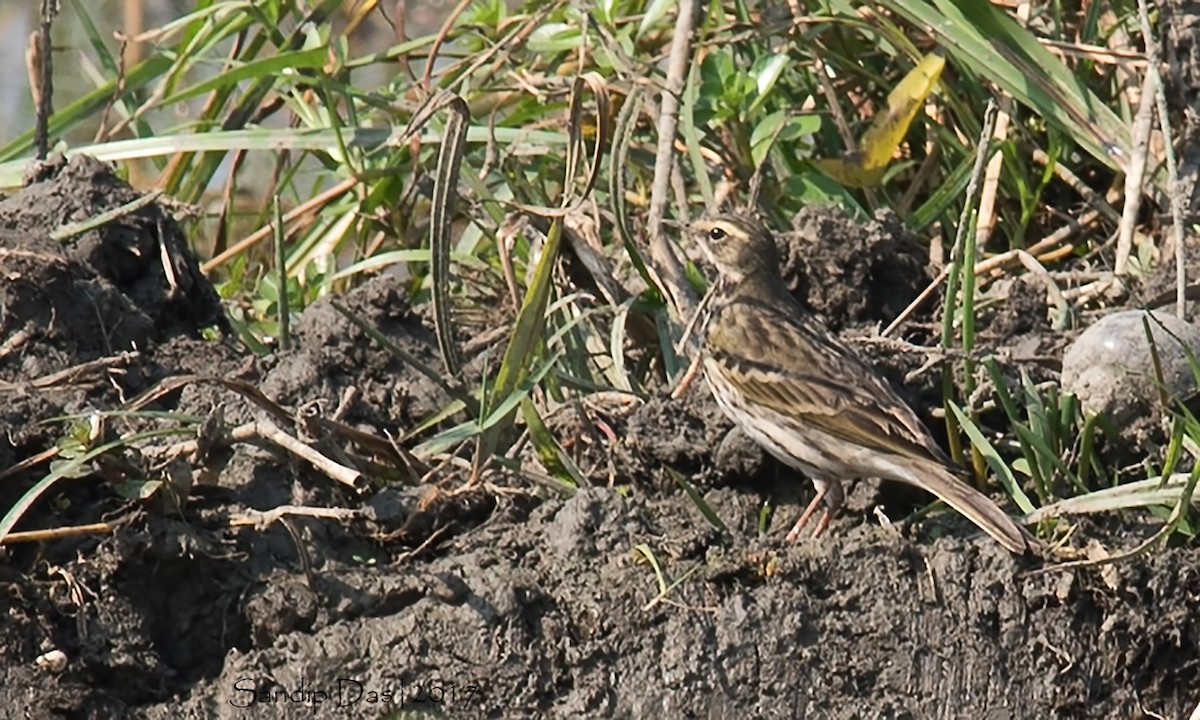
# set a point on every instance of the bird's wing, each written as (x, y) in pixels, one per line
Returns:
(784, 362)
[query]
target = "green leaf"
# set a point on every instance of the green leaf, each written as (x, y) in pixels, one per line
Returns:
(764, 134)
(814, 188)
(799, 126)
(524, 142)
(993, 459)
(778, 127)
(766, 72)
(657, 10)
(137, 489)
(554, 37)
(527, 335)
(73, 468)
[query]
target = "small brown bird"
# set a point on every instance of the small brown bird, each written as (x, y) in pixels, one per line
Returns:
(805, 397)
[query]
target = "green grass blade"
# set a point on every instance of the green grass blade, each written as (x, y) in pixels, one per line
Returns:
(698, 500)
(524, 142)
(252, 70)
(691, 135)
(1004, 397)
(550, 452)
(527, 334)
(107, 61)
(514, 397)
(993, 459)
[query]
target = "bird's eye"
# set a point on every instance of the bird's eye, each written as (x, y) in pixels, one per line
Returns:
(716, 234)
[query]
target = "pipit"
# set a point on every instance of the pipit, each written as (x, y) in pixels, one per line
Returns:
(808, 399)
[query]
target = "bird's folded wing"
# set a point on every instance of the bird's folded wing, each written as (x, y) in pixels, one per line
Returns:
(798, 370)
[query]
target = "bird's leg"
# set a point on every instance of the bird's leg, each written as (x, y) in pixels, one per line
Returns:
(794, 533)
(835, 497)
(831, 492)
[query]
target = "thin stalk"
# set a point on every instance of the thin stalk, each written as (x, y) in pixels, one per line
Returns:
(962, 273)
(285, 315)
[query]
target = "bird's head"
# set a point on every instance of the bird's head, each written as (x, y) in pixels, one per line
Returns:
(739, 247)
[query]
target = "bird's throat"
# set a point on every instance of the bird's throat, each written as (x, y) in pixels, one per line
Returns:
(764, 285)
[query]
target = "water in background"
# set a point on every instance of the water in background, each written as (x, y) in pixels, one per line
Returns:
(16, 107)
(75, 69)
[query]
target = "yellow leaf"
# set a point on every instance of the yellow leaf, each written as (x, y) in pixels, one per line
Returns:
(878, 145)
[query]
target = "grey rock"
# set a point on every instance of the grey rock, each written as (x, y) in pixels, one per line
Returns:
(1110, 367)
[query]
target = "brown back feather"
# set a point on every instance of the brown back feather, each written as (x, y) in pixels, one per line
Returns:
(823, 383)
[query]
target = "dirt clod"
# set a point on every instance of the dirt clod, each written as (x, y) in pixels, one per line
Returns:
(852, 273)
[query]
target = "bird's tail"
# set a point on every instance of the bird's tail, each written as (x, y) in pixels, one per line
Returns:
(977, 507)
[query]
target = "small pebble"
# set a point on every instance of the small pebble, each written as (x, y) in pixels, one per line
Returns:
(54, 661)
